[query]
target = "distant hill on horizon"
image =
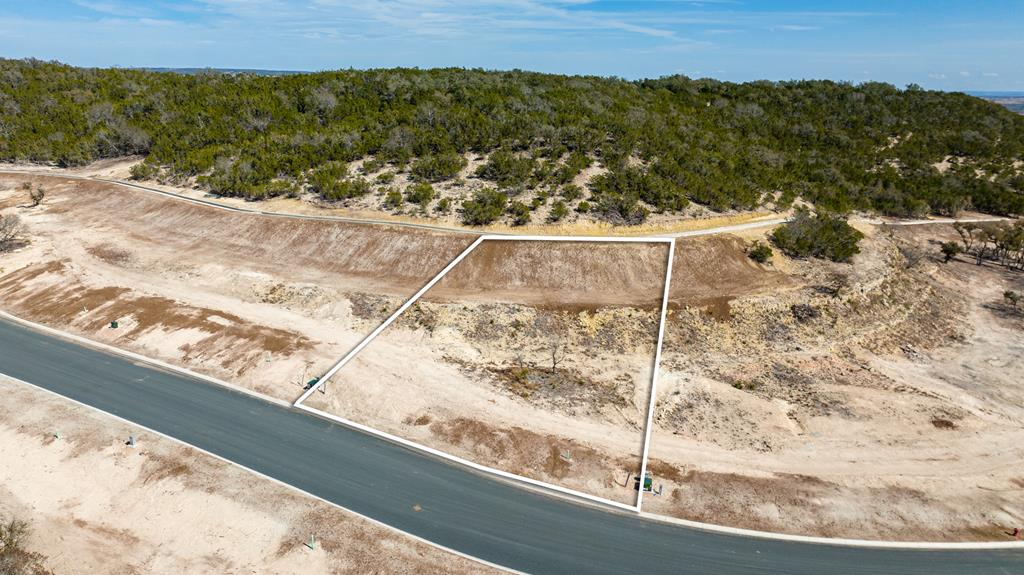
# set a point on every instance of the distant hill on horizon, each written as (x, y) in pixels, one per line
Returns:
(253, 71)
(1013, 101)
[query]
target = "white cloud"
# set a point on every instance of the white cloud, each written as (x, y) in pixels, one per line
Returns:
(990, 74)
(937, 76)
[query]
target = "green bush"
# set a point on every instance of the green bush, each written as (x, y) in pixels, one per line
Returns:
(572, 192)
(760, 252)
(520, 213)
(950, 250)
(421, 193)
(558, 211)
(346, 189)
(438, 167)
(506, 170)
(330, 181)
(393, 199)
(819, 236)
(372, 165)
(486, 206)
(444, 205)
(620, 189)
(144, 171)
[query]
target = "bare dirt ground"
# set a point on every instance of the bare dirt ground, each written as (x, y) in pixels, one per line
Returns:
(266, 303)
(556, 390)
(259, 301)
(164, 508)
(881, 399)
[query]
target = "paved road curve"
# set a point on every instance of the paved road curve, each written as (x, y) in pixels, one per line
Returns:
(462, 510)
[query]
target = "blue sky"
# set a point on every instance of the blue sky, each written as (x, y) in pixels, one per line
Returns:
(941, 45)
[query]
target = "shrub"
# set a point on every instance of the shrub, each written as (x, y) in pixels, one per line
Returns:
(621, 209)
(331, 183)
(583, 207)
(520, 213)
(444, 205)
(625, 186)
(950, 250)
(12, 232)
(486, 206)
(558, 211)
(143, 171)
(438, 167)
(760, 252)
(346, 189)
(1013, 298)
(572, 192)
(421, 193)
(393, 199)
(372, 165)
(505, 169)
(14, 558)
(819, 236)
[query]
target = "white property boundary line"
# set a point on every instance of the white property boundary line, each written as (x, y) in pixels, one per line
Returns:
(491, 470)
(271, 479)
(654, 381)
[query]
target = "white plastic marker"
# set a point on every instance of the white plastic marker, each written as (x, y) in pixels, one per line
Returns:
(654, 379)
(534, 482)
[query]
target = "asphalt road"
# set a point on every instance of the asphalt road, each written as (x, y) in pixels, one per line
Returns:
(461, 509)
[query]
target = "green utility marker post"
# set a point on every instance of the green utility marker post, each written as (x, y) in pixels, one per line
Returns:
(312, 543)
(648, 483)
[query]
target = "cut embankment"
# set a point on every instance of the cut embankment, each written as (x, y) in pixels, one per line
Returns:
(556, 392)
(872, 400)
(257, 301)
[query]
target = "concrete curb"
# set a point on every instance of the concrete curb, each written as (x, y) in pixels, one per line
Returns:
(838, 542)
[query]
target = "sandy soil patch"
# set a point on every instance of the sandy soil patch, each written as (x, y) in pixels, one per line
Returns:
(879, 400)
(98, 506)
(262, 302)
(557, 390)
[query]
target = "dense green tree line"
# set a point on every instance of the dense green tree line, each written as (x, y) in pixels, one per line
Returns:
(666, 142)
